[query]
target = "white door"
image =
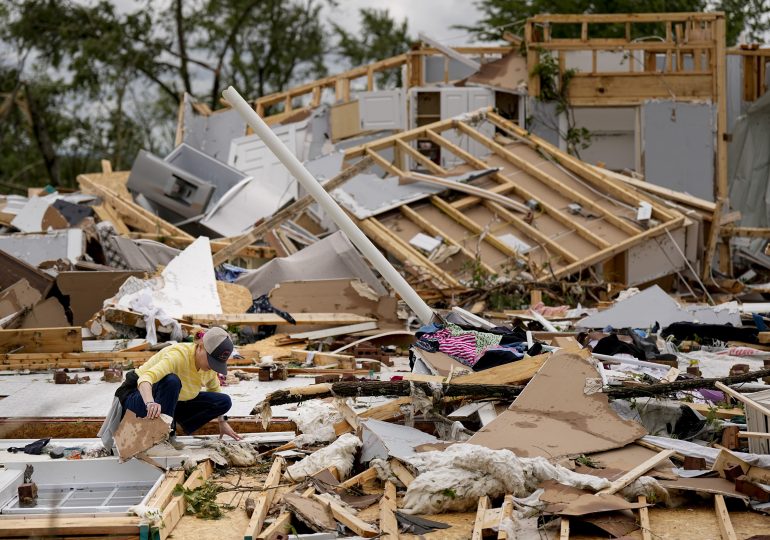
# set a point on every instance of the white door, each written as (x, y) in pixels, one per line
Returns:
(383, 109)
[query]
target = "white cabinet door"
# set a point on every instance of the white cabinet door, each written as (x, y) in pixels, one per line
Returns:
(479, 98)
(454, 101)
(383, 109)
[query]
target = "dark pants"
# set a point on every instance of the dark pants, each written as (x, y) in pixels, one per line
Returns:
(191, 414)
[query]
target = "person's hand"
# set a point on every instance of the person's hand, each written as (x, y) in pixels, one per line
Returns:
(153, 410)
(225, 429)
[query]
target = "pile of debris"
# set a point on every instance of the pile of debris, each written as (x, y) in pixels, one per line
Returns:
(540, 390)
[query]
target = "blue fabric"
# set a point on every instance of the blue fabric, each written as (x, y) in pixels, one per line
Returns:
(229, 272)
(191, 414)
(759, 322)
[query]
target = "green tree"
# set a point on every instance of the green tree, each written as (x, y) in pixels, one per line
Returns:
(497, 16)
(381, 36)
(97, 82)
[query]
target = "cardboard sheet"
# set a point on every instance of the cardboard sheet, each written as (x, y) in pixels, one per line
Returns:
(47, 314)
(509, 72)
(135, 435)
(20, 295)
(553, 416)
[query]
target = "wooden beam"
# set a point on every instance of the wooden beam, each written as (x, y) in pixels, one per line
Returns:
(420, 158)
(549, 180)
(549, 209)
(474, 227)
(278, 529)
(349, 520)
(243, 241)
(644, 519)
(478, 524)
(726, 529)
(404, 475)
(41, 340)
(534, 233)
(384, 163)
(59, 524)
(405, 136)
(431, 229)
(612, 18)
(165, 491)
(582, 169)
(415, 262)
(388, 522)
(753, 435)
(360, 479)
(742, 398)
(133, 214)
(506, 513)
(470, 189)
(270, 318)
(264, 500)
(637, 471)
(175, 509)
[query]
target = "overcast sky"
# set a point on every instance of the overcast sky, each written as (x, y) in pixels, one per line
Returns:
(434, 17)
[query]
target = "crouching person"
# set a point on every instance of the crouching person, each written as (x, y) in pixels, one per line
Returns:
(170, 383)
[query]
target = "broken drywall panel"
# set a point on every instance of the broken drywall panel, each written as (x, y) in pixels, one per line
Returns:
(136, 435)
(678, 146)
(333, 257)
(367, 195)
(188, 285)
(33, 249)
(382, 440)
(645, 308)
(508, 72)
(554, 416)
(656, 258)
(425, 242)
(38, 215)
(337, 296)
(613, 136)
(13, 269)
(210, 132)
(543, 120)
(87, 291)
(143, 255)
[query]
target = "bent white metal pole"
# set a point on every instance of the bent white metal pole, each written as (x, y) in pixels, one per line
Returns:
(311, 185)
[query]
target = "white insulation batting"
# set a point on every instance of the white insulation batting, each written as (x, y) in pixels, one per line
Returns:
(339, 454)
(454, 479)
(315, 421)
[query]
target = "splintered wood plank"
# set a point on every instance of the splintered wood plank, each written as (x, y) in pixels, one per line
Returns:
(723, 519)
(278, 529)
(271, 318)
(506, 512)
(360, 479)
(644, 519)
(64, 525)
(349, 520)
(402, 473)
(264, 500)
(388, 522)
(41, 340)
(165, 491)
(637, 471)
(478, 525)
(176, 508)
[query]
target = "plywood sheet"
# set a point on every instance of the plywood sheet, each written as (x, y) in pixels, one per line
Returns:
(554, 417)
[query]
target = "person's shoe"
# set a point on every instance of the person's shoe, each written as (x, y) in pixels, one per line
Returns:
(177, 444)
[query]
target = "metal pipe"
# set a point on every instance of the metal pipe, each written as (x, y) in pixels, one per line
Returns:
(330, 206)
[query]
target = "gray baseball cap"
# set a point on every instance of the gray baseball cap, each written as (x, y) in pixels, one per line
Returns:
(219, 347)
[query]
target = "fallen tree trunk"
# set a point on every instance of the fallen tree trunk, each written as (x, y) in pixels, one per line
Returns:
(679, 386)
(479, 391)
(387, 388)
